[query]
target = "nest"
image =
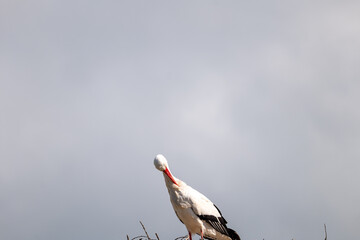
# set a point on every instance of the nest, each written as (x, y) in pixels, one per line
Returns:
(186, 237)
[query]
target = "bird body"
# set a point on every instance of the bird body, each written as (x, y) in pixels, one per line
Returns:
(193, 209)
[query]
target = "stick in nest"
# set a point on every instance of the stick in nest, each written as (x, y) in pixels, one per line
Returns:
(147, 235)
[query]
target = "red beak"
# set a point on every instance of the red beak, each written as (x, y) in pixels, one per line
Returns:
(167, 172)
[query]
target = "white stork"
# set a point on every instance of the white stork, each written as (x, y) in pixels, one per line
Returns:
(194, 210)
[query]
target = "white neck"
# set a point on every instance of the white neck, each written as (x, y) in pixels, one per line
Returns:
(170, 184)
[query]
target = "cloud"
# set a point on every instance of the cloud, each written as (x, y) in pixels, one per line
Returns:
(253, 106)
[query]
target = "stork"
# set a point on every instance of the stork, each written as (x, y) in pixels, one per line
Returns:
(194, 210)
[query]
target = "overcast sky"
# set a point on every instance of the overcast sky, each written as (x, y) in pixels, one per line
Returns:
(254, 103)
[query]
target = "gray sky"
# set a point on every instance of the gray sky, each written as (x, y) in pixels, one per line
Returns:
(255, 104)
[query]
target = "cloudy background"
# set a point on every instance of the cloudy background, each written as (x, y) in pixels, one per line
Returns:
(255, 104)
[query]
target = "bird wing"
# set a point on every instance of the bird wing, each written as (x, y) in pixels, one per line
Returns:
(217, 223)
(206, 210)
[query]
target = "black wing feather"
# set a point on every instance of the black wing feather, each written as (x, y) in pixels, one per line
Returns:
(220, 213)
(218, 223)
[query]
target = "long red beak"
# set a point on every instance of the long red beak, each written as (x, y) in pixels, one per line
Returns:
(167, 172)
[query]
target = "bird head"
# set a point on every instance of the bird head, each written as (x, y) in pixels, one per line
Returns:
(162, 165)
(160, 162)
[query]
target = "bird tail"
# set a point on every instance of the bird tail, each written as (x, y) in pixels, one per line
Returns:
(233, 235)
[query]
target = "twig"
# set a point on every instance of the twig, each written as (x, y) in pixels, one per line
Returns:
(138, 237)
(147, 235)
(325, 232)
(181, 238)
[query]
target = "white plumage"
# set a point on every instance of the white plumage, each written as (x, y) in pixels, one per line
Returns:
(195, 211)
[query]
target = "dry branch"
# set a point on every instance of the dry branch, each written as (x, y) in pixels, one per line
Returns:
(147, 235)
(325, 232)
